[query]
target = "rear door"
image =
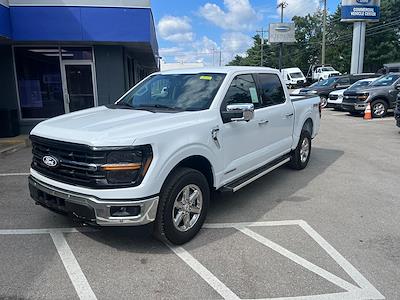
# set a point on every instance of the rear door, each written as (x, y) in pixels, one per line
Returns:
(279, 113)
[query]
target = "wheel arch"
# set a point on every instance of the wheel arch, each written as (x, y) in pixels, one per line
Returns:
(199, 163)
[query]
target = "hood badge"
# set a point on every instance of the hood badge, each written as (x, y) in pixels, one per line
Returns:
(50, 161)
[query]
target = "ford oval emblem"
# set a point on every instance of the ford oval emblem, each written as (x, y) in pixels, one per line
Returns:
(50, 161)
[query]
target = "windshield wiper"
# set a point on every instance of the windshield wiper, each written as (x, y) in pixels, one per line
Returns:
(161, 106)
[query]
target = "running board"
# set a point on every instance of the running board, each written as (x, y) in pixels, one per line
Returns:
(241, 182)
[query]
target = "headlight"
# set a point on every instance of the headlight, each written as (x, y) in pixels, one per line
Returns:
(313, 92)
(362, 97)
(128, 166)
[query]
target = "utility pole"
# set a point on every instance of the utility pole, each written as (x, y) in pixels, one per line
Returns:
(282, 5)
(324, 36)
(261, 32)
(213, 52)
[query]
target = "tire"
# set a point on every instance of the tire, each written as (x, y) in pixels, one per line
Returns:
(171, 205)
(298, 161)
(324, 102)
(379, 109)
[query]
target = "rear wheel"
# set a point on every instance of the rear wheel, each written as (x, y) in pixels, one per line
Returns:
(379, 109)
(301, 155)
(183, 206)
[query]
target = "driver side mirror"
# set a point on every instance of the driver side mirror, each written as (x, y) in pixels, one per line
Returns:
(238, 113)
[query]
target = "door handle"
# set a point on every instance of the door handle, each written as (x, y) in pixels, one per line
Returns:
(263, 122)
(288, 116)
(66, 96)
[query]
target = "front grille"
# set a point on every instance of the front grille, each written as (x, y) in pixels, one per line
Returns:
(350, 99)
(77, 164)
(333, 97)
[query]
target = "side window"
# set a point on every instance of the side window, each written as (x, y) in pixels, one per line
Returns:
(272, 92)
(344, 81)
(243, 89)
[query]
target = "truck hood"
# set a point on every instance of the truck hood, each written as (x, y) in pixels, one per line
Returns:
(372, 89)
(102, 126)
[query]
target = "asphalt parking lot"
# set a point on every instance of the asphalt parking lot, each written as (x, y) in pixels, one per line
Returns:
(328, 232)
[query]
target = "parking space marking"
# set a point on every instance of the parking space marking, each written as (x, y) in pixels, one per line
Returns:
(14, 174)
(365, 290)
(72, 267)
(299, 260)
(204, 273)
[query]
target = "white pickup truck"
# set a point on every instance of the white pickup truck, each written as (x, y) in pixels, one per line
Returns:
(163, 147)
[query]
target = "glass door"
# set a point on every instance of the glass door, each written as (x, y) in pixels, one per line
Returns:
(79, 85)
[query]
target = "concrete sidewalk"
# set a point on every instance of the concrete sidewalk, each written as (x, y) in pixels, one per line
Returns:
(13, 144)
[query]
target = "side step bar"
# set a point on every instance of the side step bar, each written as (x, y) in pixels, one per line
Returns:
(254, 175)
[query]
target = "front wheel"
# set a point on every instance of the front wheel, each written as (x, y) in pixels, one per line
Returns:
(379, 109)
(301, 155)
(183, 206)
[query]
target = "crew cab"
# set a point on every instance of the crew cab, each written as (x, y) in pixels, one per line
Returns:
(381, 94)
(319, 73)
(335, 99)
(157, 153)
(325, 87)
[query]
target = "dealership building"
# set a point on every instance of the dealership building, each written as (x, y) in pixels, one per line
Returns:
(60, 56)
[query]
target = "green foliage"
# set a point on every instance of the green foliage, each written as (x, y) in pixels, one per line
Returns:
(382, 43)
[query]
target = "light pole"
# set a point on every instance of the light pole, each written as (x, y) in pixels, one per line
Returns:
(281, 5)
(324, 36)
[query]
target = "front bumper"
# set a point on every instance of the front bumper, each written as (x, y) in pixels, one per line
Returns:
(354, 107)
(92, 210)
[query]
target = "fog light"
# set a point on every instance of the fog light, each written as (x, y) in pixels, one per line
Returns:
(124, 211)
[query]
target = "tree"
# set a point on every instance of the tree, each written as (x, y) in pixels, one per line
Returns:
(382, 42)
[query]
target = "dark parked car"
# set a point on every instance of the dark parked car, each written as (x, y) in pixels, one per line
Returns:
(325, 87)
(382, 94)
(397, 111)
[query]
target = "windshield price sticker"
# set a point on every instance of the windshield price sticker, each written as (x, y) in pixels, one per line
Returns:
(206, 77)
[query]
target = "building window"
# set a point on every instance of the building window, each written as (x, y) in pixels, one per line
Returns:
(39, 82)
(76, 53)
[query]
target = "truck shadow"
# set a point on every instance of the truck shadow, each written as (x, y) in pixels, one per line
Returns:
(251, 204)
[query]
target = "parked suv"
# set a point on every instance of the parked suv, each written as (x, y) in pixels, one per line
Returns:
(157, 153)
(381, 94)
(325, 87)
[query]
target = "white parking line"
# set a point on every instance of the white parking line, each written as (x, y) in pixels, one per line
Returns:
(14, 174)
(204, 273)
(299, 260)
(72, 267)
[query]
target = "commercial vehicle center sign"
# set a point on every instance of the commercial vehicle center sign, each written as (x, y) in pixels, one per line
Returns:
(361, 10)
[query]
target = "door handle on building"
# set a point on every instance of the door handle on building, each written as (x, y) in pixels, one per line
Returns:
(66, 97)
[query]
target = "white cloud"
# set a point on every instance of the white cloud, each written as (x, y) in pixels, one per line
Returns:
(170, 51)
(175, 29)
(234, 43)
(239, 14)
(299, 8)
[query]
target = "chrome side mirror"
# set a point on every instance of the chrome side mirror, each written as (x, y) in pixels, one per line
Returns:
(240, 112)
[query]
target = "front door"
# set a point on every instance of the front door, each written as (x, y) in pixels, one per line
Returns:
(78, 85)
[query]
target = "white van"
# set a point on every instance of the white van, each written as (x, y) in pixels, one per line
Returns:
(293, 77)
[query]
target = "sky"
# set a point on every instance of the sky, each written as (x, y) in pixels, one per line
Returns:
(196, 30)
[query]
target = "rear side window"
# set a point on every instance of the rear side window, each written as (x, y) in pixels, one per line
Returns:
(344, 81)
(271, 88)
(243, 89)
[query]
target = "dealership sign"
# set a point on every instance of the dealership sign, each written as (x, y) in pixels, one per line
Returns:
(361, 10)
(282, 33)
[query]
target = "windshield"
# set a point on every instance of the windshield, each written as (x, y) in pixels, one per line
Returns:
(326, 82)
(181, 92)
(359, 84)
(386, 80)
(296, 75)
(328, 69)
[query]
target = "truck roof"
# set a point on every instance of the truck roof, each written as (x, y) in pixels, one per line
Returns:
(221, 70)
